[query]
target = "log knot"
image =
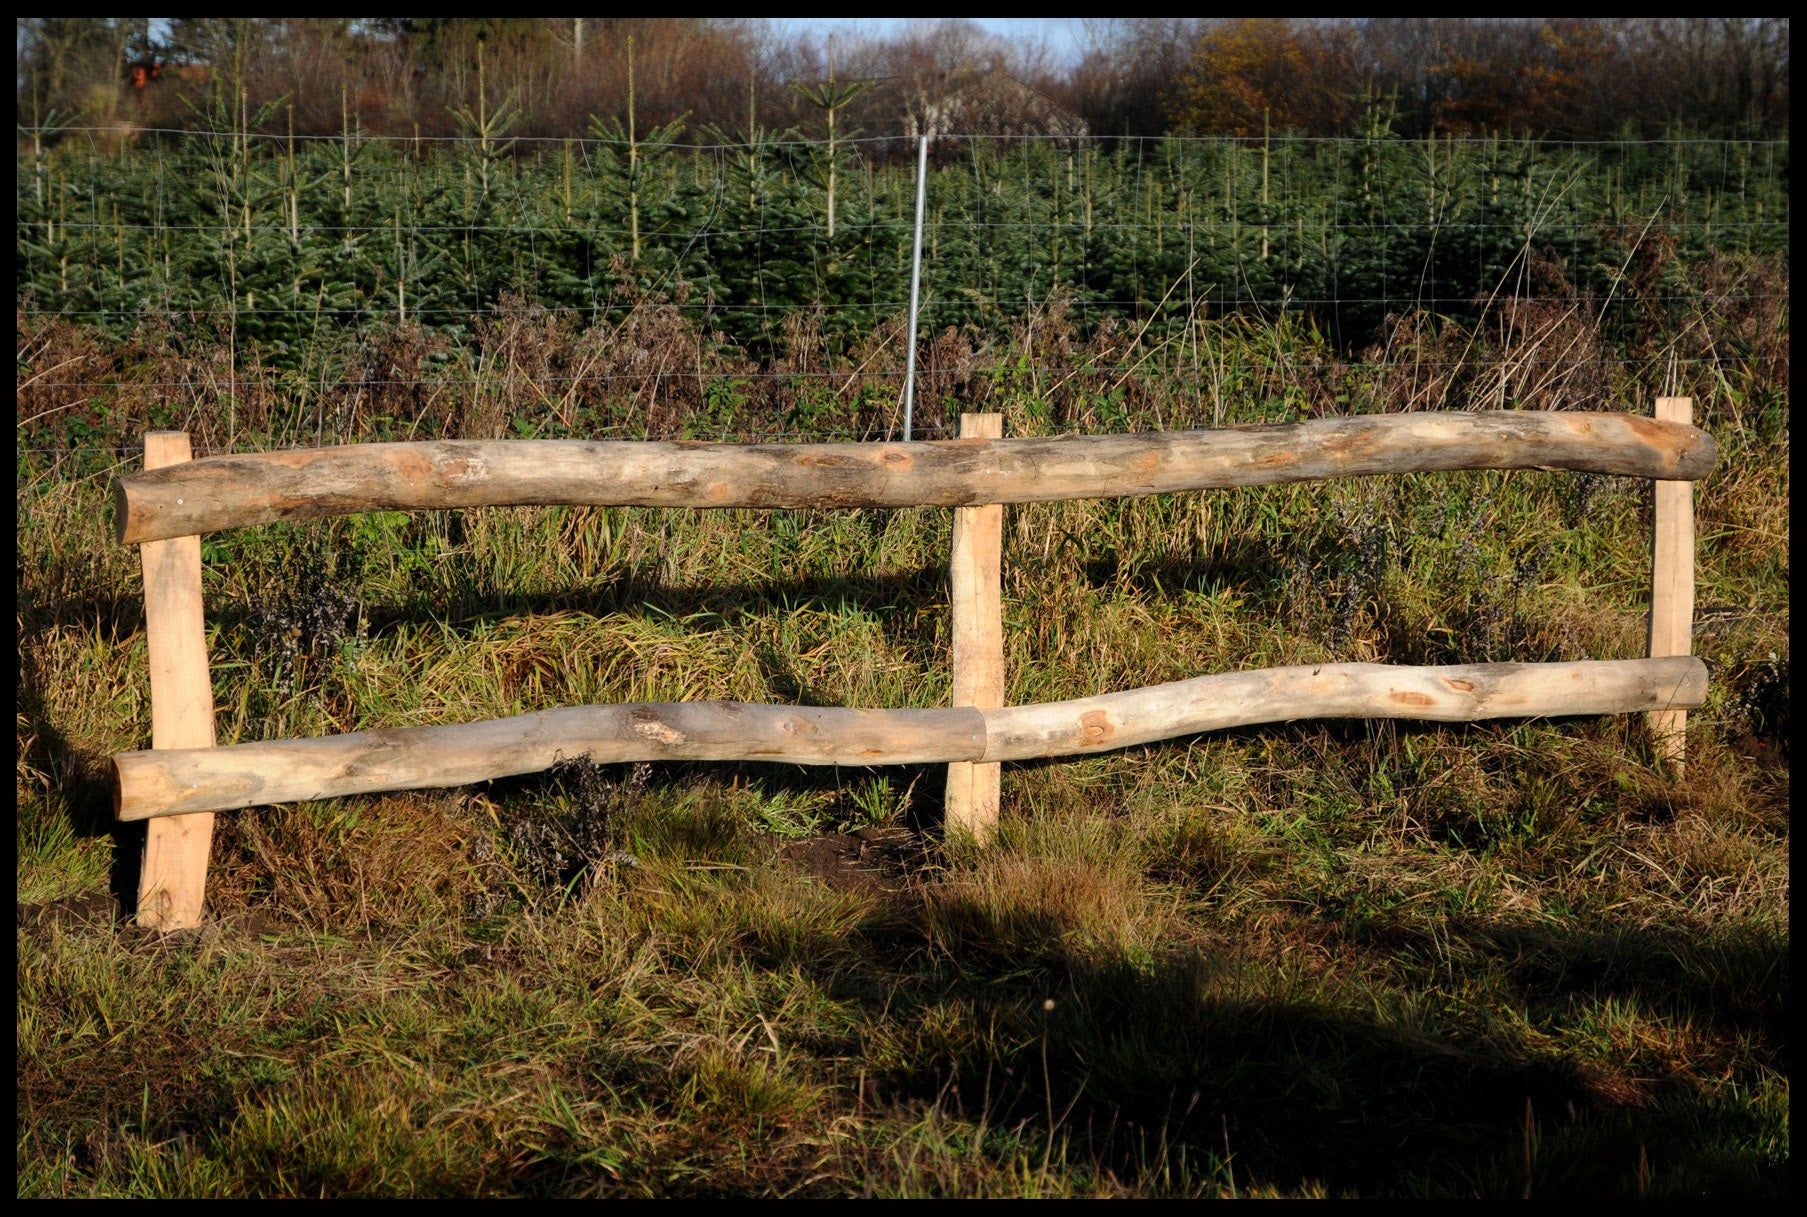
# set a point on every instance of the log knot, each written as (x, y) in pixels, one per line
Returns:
(658, 732)
(465, 469)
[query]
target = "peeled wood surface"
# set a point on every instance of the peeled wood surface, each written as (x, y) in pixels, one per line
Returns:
(976, 612)
(161, 783)
(257, 488)
(172, 881)
(407, 758)
(1342, 690)
(1672, 582)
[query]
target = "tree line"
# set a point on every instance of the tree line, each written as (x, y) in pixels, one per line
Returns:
(736, 80)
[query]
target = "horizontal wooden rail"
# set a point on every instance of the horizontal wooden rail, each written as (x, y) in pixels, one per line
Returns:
(257, 488)
(174, 781)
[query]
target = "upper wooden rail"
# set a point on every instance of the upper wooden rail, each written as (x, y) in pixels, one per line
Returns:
(257, 488)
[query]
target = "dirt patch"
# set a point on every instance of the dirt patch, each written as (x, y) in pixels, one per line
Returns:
(101, 911)
(1764, 752)
(94, 908)
(880, 861)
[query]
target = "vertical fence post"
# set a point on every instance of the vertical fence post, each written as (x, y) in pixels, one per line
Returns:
(922, 178)
(977, 608)
(173, 881)
(1672, 586)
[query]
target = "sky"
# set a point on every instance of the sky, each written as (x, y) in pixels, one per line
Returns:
(1062, 34)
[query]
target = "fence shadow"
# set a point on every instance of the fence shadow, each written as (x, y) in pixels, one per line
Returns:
(82, 775)
(1201, 1056)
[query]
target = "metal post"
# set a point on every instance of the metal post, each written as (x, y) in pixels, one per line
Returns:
(922, 177)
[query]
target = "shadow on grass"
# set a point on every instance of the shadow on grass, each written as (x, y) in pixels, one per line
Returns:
(1306, 1082)
(1296, 1080)
(1351, 1074)
(699, 607)
(1732, 982)
(83, 777)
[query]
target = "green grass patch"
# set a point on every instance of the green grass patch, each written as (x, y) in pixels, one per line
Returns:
(1309, 959)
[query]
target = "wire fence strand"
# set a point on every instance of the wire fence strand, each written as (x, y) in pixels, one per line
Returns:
(324, 288)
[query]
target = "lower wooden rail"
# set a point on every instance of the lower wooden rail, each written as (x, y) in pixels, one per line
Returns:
(167, 782)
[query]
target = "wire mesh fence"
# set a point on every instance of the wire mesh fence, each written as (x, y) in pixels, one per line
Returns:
(272, 290)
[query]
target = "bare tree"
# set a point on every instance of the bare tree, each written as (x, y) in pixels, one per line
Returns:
(1124, 81)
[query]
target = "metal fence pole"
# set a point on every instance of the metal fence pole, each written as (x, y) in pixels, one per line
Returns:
(922, 177)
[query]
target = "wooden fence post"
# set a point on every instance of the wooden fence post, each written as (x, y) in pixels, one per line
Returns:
(976, 603)
(173, 882)
(1672, 586)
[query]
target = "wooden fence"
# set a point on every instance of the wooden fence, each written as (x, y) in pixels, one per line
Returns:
(182, 779)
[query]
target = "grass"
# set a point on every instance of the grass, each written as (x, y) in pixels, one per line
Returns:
(1313, 959)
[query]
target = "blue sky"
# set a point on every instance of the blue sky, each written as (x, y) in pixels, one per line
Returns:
(1062, 34)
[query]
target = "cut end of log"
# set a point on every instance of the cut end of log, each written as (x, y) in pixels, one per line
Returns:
(122, 511)
(1704, 456)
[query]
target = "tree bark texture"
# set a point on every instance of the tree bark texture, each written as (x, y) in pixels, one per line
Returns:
(258, 488)
(165, 782)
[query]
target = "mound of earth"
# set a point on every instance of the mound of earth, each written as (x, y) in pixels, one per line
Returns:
(882, 860)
